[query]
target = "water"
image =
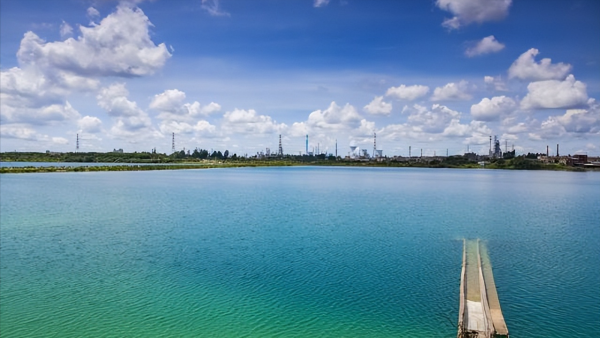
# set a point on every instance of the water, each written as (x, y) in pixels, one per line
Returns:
(293, 252)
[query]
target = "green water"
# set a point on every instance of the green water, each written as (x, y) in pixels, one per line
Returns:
(292, 252)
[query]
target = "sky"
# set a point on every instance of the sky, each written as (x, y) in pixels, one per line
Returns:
(440, 76)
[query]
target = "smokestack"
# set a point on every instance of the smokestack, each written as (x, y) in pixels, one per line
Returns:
(307, 144)
(557, 150)
(547, 151)
(409, 151)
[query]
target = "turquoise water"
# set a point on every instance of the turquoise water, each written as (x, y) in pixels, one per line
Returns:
(293, 252)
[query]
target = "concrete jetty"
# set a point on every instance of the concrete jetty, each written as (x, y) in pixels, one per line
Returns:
(480, 314)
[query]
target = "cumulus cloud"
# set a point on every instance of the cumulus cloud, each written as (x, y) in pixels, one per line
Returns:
(525, 68)
(89, 124)
(492, 109)
(212, 7)
(580, 120)
(434, 124)
(20, 132)
(131, 122)
(469, 11)
(92, 12)
(250, 122)
(65, 30)
(60, 140)
(170, 100)
(408, 93)
(486, 46)
(320, 3)
(47, 114)
(335, 117)
(171, 106)
(183, 118)
(433, 120)
(451, 91)
(518, 128)
(494, 83)
(574, 123)
(325, 125)
(26, 89)
(378, 107)
(25, 99)
(202, 128)
(119, 45)
(555, 94)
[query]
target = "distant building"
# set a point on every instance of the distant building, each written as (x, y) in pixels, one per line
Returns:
(471, 156)
(118, 150)
(497, 151)
(578, 159)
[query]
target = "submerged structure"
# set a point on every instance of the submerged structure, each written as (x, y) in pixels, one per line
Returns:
(479, 313)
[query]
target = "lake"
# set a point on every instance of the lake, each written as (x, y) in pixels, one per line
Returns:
(293, 252)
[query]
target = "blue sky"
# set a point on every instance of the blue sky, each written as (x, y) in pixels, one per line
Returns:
(234, 75)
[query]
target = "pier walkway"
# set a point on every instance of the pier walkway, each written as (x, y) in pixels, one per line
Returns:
(480, 315)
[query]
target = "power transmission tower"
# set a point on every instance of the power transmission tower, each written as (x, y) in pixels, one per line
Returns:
(173, 143)
(280, 151)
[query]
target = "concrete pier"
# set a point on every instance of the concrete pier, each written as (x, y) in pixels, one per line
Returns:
(479, 312)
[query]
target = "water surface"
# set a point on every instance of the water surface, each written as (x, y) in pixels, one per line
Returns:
(293, 252)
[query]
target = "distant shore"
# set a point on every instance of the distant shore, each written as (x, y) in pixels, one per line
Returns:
(210, 164)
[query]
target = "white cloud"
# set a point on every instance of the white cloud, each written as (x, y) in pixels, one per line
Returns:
(378, 107)
(92, 12)
(525, 68)
(60, 140)
(27, 89)
(555, 94)
(518, 128)
(325, 126)
(131, 122)
(469, 11)
(495, 83)
(408, 93)
(249, 122)
(485, 46)
(20, 132)
(170, 100)
(574, 123)
(40, 110)
(89, 124)
(170, 104)
(114, 100)
(451, 91)
(119, 45)
(580, 120)
(212, 7)
(435, 124)
(320, 3)
(335, 117)
(433, 120)
(493, 109)
(65, 30)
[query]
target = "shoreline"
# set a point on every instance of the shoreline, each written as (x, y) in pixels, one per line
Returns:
(81, 167)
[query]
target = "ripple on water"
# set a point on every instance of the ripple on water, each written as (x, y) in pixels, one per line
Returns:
(292, 253)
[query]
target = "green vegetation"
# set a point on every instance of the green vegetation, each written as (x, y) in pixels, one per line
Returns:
(201, 159)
